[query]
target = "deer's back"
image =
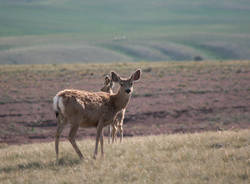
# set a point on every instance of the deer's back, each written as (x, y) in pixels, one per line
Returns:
(85, 107)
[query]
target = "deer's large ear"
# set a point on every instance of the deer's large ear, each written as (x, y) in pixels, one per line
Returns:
(115, 77)
(136, 75)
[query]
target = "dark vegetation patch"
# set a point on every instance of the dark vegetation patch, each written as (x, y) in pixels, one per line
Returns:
(170, 98)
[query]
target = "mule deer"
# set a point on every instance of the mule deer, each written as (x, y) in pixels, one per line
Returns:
(117, 126)
(86, 109)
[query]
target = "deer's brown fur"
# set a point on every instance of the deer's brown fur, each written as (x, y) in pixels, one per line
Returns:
(117, 126)
(81, 108)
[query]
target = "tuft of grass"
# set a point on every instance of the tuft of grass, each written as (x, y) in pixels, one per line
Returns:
(210, 157)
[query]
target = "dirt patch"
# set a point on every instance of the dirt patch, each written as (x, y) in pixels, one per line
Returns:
(170, 99)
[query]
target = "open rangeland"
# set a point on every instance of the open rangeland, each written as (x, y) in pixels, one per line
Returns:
(69, 31)
(170, 97)
(209, 157)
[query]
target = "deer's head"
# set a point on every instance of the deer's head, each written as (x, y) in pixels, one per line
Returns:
(126, 84)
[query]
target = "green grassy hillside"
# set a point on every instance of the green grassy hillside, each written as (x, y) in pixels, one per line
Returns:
(218, 157)
(59, 31)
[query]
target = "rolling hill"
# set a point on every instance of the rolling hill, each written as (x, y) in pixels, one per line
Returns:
(76, 31)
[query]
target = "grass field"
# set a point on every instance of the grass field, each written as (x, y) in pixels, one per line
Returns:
(170, 97)
(70, 31)
(211, 157)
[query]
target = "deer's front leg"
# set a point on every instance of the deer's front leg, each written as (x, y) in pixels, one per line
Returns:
(98, 135)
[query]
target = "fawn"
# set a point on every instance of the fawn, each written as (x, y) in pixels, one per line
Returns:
(117, 126)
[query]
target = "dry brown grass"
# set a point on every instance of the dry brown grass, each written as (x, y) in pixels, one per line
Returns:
(211, 157)
(158, 68)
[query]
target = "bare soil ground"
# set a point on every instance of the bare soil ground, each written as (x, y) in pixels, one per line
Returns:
(170, 98)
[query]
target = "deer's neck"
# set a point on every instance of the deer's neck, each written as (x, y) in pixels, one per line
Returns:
(120, 100)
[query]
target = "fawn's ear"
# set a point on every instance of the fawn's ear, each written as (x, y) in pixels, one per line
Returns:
(107, 80)
(136, 75)
(115, 77)
(107, 77)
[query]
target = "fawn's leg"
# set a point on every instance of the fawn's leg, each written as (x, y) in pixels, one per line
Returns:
(101, 141)
(109, 134)
(114, 132)
(121, 133)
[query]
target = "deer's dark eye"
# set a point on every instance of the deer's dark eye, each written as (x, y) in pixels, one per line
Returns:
(131, 83)
(121, 85)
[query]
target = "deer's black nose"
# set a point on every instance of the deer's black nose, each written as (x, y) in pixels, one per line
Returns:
(128, 91)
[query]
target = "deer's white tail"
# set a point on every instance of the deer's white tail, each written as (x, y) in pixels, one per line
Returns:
(58, 104)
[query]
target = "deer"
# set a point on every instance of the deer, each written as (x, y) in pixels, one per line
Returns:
(117, 126)
(85, 109)
(108, 85)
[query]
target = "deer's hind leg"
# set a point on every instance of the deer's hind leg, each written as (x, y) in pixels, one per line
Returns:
(72, 136)
(61, 122)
